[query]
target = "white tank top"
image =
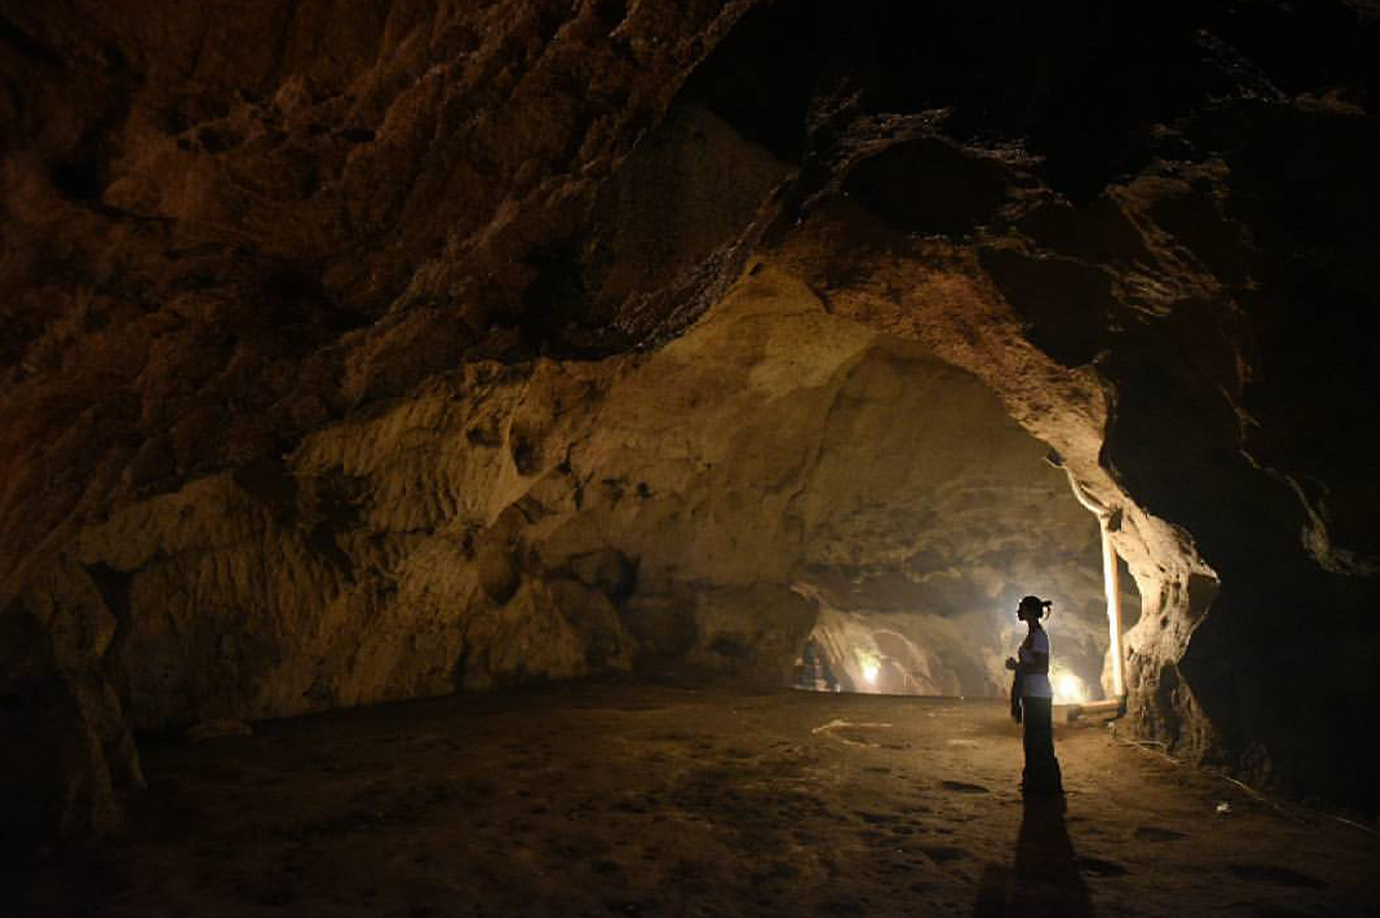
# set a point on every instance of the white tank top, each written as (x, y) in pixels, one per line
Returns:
(1036, 685)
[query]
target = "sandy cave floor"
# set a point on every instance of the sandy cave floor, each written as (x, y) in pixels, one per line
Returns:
(658, 800)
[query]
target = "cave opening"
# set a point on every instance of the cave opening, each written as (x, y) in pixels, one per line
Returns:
(941, 627)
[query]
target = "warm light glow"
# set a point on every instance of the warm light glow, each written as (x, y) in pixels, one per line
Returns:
(1068, 689)
(869, 671)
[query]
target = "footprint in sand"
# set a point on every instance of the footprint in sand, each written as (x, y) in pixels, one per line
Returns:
(1281, 875)
(963, 788)
(1154, 833)
(942, 854)
(1100, 868)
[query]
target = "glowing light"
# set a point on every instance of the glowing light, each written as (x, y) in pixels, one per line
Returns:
(869, 671)
(1068, 689)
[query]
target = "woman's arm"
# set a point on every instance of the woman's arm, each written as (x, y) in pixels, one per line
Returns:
(1034, 661)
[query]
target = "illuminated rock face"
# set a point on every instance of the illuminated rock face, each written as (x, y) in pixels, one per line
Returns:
(354, 355)
(549, 520)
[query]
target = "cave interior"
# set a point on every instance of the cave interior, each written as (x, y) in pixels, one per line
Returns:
(470, 360)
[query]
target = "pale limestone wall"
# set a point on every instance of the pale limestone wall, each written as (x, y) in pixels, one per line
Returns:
(559, 519)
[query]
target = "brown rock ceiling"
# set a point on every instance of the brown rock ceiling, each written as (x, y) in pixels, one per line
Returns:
(357, 353)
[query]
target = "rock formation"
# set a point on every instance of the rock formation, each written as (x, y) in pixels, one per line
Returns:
(365, 354)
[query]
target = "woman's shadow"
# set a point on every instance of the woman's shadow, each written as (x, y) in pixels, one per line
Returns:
(1045, 879)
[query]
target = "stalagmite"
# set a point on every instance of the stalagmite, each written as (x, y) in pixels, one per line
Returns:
(1111, 586)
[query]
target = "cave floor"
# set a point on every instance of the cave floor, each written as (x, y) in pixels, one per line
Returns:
(663, 800)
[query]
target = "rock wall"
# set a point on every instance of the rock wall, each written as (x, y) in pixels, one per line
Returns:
(551, 520)
(228, 226)
(1142, 228)
(68, 745)
(351, 352)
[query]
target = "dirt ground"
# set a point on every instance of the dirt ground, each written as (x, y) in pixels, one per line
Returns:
(658, 800)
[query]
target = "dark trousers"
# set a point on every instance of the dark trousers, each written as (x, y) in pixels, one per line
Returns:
(1041, 775)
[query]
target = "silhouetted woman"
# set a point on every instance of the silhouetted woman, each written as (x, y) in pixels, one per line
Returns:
(1031, 665)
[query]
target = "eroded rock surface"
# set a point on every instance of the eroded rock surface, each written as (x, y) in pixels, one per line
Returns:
(355, 354)
(548, 520)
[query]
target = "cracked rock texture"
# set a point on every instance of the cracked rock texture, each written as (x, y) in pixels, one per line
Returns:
(361, 353)
(549, 519)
